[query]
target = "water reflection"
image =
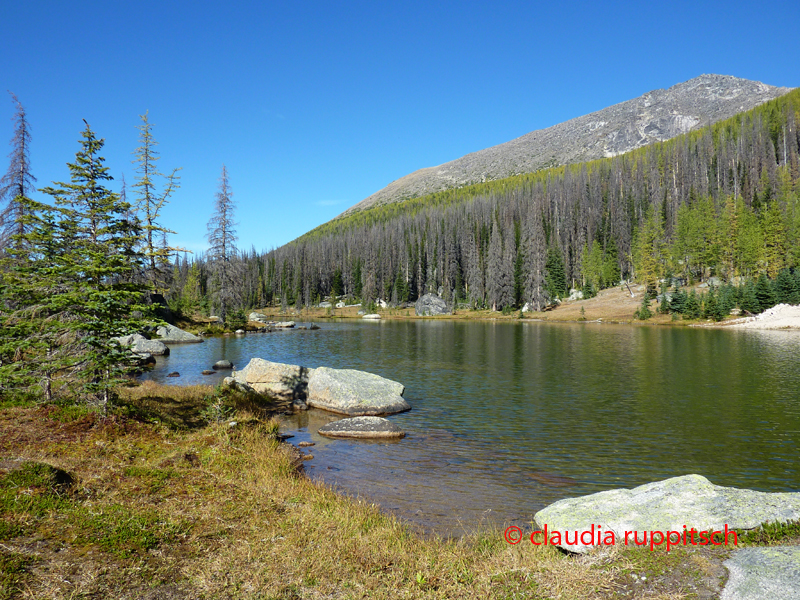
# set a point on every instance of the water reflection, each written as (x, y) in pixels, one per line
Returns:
(511, 416)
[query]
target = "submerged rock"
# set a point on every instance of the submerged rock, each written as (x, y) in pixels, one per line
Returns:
(668, 505)
(355, 393)
(362, 427)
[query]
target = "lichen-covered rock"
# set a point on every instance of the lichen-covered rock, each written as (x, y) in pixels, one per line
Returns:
(431, 305)
(141, 345)
(355, 393)
(279, 380)
(756, 573)
(169, 334)
(668, 505)
(362, 427)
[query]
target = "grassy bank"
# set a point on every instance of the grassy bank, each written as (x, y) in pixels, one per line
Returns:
(166, 499)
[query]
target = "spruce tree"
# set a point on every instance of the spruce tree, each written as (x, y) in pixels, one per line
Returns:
(222, 255)
(76, 285)
(765, 294)
(555, 275)
(18, 181)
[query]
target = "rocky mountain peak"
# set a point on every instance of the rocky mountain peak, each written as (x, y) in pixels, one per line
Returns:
(655, 116)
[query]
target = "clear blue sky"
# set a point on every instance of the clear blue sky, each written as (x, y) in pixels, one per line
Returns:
(314, 106)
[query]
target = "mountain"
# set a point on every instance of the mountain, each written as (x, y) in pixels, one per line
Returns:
(656, 116)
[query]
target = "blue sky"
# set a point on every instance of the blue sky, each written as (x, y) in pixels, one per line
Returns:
(314, 106)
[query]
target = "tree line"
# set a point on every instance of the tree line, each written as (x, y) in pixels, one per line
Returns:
(85, 268)
(722, 202)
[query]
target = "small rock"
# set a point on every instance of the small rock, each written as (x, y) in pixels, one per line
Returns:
(308, 456)
(174, 374)
(313, 327)
(223, 364)
(362, 427)
(305, 444)
(208, 372)
(240, 332)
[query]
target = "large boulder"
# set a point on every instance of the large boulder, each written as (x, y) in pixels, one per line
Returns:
(284, 324)
(668, 505)
(279, 380)
(362, 427)
(141, 345)
(756, 573)
(355, 393)
(257, 317)
(431, 305)
(169, 334)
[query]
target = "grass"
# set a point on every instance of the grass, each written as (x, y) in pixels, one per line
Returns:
(155, 501)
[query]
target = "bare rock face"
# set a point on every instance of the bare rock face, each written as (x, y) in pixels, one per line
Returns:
(355, 393)
(279, 380)
(656, 116)
(362, 427)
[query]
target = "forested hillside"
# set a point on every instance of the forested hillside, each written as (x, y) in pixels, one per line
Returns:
(721, 201)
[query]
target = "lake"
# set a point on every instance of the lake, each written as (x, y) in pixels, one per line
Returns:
(510, 416)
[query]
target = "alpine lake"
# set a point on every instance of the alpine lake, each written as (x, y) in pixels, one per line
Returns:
(510, 416)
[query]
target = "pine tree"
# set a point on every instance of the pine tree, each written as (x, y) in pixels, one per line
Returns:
(222, 253)
(18, 180)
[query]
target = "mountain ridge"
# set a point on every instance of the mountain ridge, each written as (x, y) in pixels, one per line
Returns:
(655, 116)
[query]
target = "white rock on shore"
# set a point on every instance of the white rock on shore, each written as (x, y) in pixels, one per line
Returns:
(782, 316)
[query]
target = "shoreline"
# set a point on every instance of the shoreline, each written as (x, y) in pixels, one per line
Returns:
(611, 305)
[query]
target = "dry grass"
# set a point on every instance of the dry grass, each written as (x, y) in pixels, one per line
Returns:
(161, 507)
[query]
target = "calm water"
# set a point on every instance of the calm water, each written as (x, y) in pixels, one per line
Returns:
(510, 416)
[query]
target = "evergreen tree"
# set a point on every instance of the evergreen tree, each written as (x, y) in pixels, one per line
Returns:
(786, 289)
(748, 301)
(18, 181)
(692, 308)
(765, 294)
(151, 201)
(75, 283)
(555, 276)
(222, 261)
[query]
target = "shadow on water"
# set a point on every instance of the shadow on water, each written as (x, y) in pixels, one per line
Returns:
(510, 416)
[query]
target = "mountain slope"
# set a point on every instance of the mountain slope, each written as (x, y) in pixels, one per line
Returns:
(655, 116)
